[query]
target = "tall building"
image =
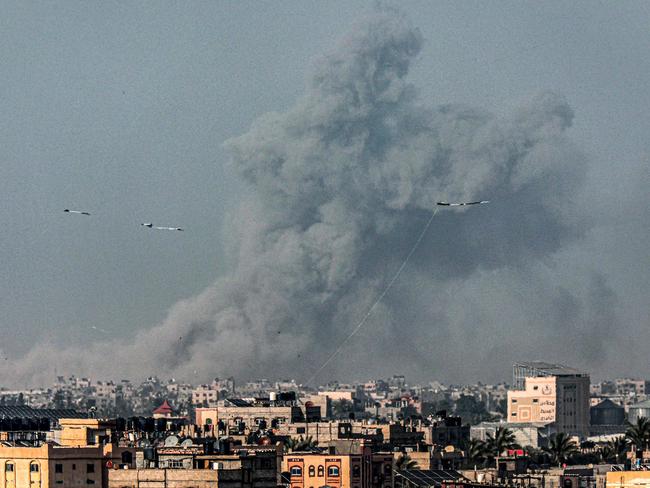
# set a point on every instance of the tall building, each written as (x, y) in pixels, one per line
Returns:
(550, 393)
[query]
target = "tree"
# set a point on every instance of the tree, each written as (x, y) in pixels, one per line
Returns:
(474, 452)
(561, 448)
(300, 444)
(405, 463)
(614, 450)
(639, 433)
(471, 410)
(503, 440)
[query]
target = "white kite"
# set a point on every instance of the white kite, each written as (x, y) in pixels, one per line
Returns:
(67, 210)
(461, 204)
(151, 226)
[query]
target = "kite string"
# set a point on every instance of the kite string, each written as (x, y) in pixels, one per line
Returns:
(379, 299)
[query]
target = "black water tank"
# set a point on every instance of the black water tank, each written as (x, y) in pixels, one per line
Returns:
(607, 413)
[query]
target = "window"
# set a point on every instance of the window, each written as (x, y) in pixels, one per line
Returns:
(58, 468)
(535, 400)
(333, 471)
(300, 430)
(127, 457)
(356, 471)
(535, 387)
(33, 468)
(513, 414)
(312, 471)
(9, 467)
(321, 471)
(90, 468)
(514, 400)
(90, 482)
(296, 471)
(74, 466)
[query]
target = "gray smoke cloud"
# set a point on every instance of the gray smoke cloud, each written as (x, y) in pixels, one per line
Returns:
(340, 186)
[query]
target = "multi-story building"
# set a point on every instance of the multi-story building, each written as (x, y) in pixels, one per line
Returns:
(80, 457)
(205, 396)
(630, 387)
(236, 416)
(551, 393)
(360, 469)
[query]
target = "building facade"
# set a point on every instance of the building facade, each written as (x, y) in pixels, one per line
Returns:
(558, 395)
(362, 469)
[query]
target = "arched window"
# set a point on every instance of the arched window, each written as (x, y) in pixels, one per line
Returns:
(312, 471)
(333, 471)
(34, 467)
(356, 471)
(296, 471)
(9, 467)
(321, 470)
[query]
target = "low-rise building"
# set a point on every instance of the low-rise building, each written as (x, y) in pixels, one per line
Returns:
(359, 469)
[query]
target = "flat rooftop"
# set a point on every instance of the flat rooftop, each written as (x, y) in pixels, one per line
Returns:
(550, 369)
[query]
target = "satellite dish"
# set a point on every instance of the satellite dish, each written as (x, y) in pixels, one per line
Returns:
(187, 443)
(171, 441)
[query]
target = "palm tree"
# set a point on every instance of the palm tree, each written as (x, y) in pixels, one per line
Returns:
(405, 463)
(475, 451)
(300, 444)
(561, 448)
(615, 449)
(639, 433)
(503, 440)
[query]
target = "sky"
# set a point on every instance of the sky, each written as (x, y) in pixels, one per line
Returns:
(159, 112)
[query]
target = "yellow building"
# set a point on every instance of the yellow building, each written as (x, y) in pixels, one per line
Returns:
(49, 466)
(78, 458)
(628, 479)
(361, 470)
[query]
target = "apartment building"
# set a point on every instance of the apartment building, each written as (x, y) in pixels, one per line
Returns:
(551, 393)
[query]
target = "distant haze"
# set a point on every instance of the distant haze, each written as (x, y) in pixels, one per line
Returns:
(318, 204)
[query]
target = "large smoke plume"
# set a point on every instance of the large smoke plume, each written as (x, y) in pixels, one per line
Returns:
(340, 186)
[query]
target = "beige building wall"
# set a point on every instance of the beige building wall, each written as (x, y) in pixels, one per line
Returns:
(361, 470)
(251, 416)
(50, 466)
(628, 479)
(337, 395)
(163, 478)
(563, 400)
(537, 403)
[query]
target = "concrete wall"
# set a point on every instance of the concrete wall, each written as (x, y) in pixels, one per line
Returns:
(163, 478)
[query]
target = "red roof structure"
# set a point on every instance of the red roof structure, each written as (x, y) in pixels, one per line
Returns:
(165, 410)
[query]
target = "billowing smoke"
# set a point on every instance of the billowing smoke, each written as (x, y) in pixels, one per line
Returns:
(340, 186)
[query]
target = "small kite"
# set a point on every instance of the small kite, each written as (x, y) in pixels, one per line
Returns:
(67, 210)
(151, 226)
(461, 204)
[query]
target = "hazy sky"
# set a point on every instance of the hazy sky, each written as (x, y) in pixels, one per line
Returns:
(122, 109)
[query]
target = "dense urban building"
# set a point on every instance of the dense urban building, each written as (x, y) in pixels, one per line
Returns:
(374, 434)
